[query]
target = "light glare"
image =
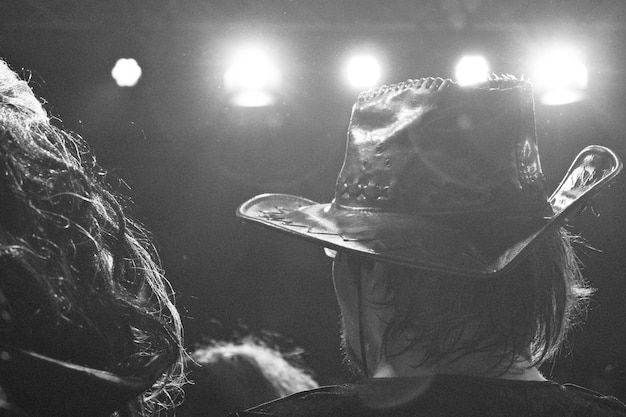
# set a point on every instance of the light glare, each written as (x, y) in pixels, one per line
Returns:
(559, 75)
(363, 71)
(126, 72)
(472, 70)
(252, 98)
(252, 79)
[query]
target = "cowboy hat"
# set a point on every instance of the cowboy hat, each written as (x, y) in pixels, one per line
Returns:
(442, 177)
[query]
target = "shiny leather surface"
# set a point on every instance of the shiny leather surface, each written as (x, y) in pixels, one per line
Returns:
(431, 146)
(441, 177)
(594, 167)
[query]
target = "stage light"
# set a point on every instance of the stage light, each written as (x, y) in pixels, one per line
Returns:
(559, 75)
(126, 72)
(363, 71)
(471, 69)
(252, 79)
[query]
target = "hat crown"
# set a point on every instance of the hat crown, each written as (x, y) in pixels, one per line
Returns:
(441, 177)
(433, 146)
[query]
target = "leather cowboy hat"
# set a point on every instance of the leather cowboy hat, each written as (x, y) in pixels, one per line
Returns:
(443, 177)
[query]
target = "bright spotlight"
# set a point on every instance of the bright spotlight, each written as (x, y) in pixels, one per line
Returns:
(252, 79)
(472, 70)
(126, 72)
(559, 75)
(363, 71)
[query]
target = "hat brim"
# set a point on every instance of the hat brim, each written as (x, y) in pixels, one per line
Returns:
(476, 244)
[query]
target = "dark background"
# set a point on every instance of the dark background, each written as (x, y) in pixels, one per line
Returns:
(190, 159)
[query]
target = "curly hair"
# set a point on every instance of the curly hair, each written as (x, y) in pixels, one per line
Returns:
(526, 313)
(82, 279)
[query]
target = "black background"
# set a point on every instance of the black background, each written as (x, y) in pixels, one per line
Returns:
(190, 159)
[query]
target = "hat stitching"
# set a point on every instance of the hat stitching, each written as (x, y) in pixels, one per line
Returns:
(493, 81)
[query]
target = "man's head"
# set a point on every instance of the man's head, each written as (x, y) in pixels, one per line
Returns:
(81, 291)
(442, 193)
(522, 315)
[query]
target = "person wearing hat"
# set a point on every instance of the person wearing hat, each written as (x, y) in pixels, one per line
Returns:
(454, 273)
(87, 321)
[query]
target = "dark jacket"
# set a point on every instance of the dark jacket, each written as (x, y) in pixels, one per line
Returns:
(444, 395)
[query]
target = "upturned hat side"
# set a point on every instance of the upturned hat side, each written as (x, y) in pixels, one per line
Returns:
(442, 177)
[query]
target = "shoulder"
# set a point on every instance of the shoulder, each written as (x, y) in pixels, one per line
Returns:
(324, 401)
(537, 398)
(597, 403)
(446, 396)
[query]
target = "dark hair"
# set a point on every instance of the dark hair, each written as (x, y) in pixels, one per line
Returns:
(82, 280)
(526, 312)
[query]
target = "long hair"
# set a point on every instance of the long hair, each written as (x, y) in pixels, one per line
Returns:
(525, 314)
(82, 279)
